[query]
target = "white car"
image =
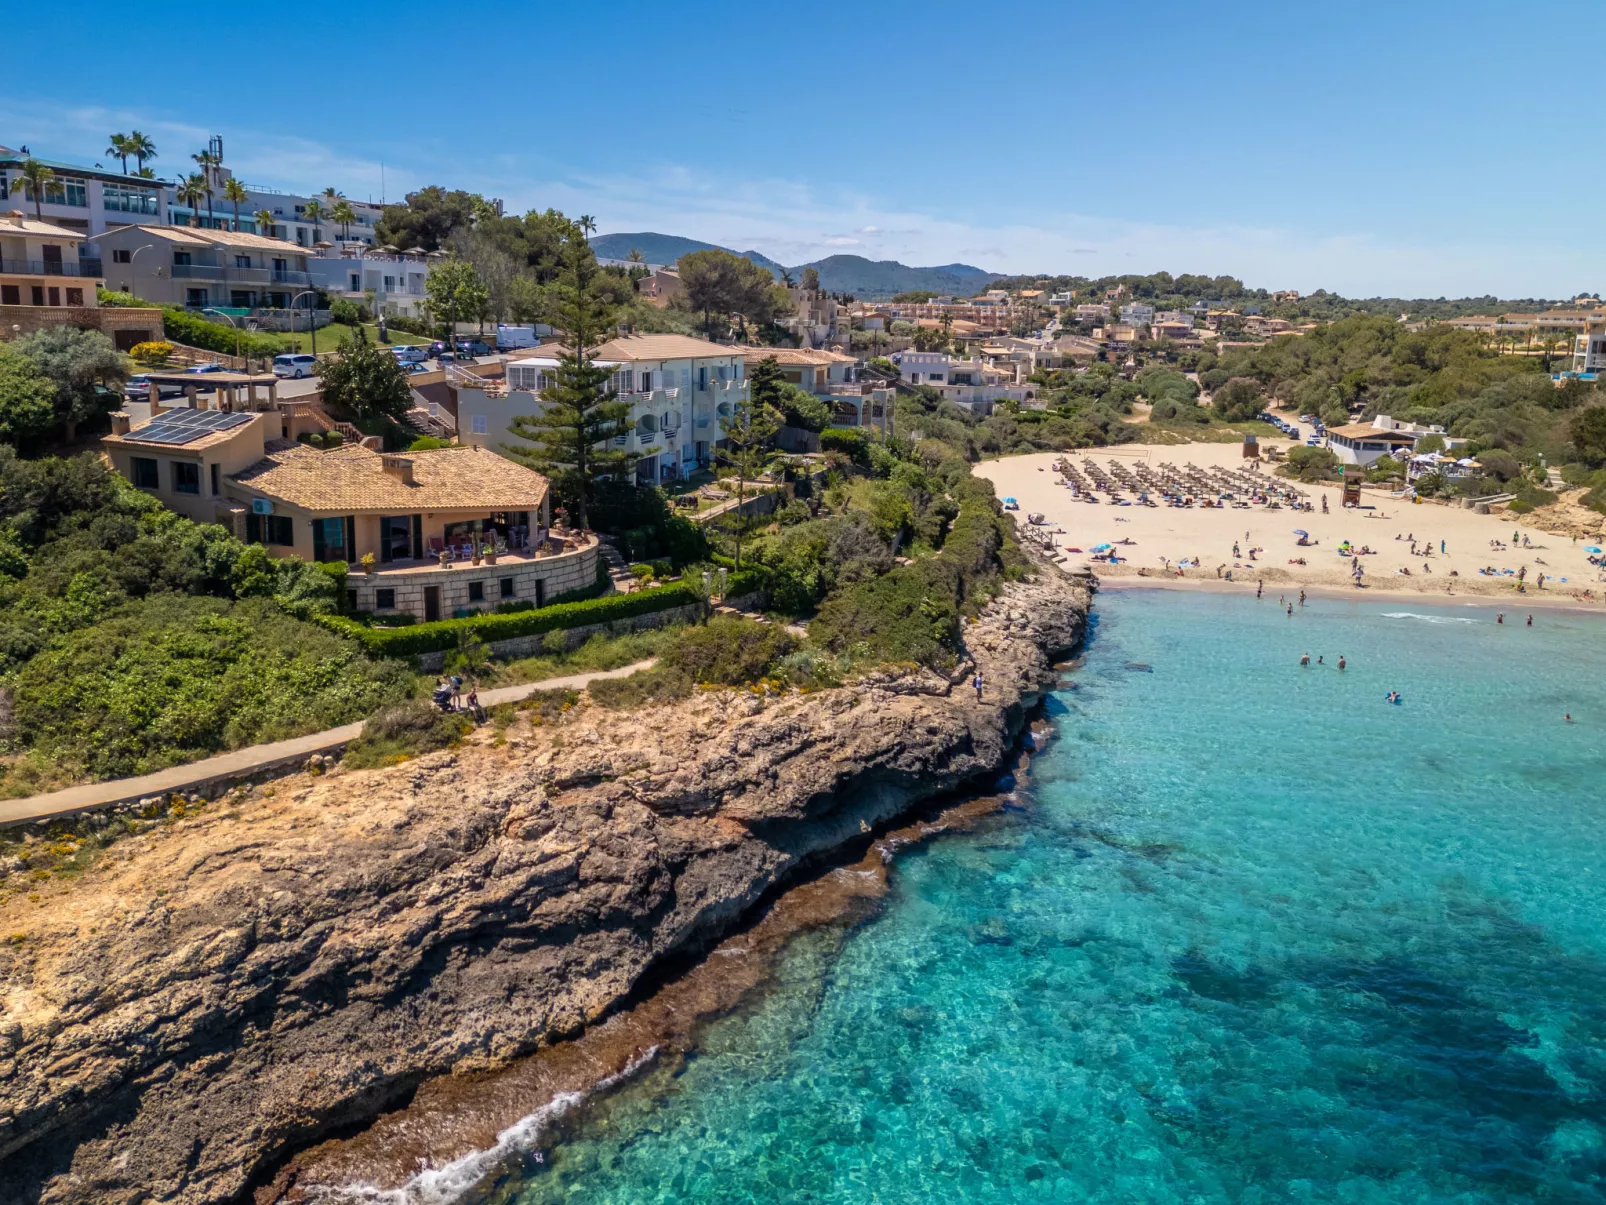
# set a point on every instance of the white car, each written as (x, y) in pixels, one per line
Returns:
(294, 367)
(409, 353)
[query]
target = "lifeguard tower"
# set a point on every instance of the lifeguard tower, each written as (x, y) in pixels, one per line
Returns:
(1251, 447)
(1353, 476)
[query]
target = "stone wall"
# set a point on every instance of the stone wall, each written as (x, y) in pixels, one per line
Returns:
(126, 324)
(556, 575)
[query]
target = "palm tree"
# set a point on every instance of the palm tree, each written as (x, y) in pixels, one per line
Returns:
(208, 161)
(587, 224)
(332, 194)
(144, 173)
(344, 214)
(120, 149)
(34, 177)
(264, 220)
(636, 257)
(314, 214)
(191, 190)
(234, 191)
(142, 148)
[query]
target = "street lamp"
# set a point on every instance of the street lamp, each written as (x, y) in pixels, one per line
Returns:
(132, 291)
(232, 322)
(312, 326)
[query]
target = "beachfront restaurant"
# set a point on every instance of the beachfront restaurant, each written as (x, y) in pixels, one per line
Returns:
(1364, 444)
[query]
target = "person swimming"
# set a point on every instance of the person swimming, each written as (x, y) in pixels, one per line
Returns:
(1394, 696)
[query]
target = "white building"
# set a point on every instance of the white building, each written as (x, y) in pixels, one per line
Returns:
(390, 282)
(1093, 313)
(85, 200)
(1135, 313)
(1589, 354)
(923, 367)
(1365, 444)
(679, 389)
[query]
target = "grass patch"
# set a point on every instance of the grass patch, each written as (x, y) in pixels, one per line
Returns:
(599, 653)
(403, 731)
(726, 651)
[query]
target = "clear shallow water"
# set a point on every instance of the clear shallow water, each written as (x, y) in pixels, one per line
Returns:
(1257, 937)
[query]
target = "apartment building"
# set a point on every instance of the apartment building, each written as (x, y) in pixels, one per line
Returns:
(1589, 351)
(1136, 313)
(85, 200)
(1093, 313)
(679, 388)
(203, 268)
(393, 280)
(43, 264)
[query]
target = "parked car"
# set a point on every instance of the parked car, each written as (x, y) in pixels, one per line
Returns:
(294, 366)
(437, 347)
(472, 347)
(138, 388)
(199, 369)
(409, 353)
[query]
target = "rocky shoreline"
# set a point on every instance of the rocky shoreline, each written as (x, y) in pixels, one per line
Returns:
(217, 995)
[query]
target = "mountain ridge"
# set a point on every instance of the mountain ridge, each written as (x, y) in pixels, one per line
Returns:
(854, 274)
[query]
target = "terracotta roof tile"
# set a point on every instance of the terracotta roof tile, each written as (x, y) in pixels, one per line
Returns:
(351, 478)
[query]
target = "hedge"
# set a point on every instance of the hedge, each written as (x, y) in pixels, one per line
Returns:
(181, 326)
(748, 581)
(443, 634)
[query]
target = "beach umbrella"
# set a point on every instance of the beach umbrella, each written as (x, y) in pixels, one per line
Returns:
(1100, 547)
(1301, 532)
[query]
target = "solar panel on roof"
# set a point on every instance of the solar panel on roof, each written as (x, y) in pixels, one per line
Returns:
(186, 426)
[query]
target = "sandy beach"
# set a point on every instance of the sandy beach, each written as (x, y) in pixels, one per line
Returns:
(1169, 534)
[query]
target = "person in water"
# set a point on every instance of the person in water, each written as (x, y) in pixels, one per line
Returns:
(1568, 718)
(1394, 696)
(1305, 660)
(1500, 617)
(1530, 621)
(1321, 658)
(1341, 661)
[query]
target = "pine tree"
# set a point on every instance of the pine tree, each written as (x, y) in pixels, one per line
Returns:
(748, 432)
(570, 440)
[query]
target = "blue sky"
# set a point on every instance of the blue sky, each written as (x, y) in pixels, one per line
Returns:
(1414, 148)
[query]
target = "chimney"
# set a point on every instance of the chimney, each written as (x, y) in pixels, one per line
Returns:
(120, 422)
(15, 217)
(398, 467)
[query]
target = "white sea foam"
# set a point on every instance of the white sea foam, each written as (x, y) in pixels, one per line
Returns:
(1427, 618)
(449, 1182)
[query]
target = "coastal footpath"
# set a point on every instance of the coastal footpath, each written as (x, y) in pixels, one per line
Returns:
(220, 993)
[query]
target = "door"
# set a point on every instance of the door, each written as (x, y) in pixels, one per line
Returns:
(432, 603)
(52, 260)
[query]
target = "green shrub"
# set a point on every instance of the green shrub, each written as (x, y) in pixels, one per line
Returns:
(126, 301)
(403, 730)
(181, 326)
(726, 651)
(851, 441)
(171, 678)
(443, 634)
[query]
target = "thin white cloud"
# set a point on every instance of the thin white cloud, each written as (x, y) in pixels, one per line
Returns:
(778, 216)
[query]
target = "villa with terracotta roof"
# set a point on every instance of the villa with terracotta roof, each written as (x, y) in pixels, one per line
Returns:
(420, 514)
(48, 275)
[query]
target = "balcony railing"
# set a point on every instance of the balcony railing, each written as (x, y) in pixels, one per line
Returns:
(254, 276)
(49, 267)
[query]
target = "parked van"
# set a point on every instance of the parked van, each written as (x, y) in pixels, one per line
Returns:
(294, 366)
(512, 338)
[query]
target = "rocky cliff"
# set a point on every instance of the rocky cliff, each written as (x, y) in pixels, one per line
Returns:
(226, 989)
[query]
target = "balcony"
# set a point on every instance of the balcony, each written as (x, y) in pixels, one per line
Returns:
(49, 267)
(240, 276)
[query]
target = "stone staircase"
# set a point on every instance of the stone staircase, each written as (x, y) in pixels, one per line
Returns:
(624, 581)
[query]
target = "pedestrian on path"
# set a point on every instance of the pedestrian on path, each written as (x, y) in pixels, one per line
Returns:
(976, 682)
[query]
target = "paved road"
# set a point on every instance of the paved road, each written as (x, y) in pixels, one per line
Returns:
(251, 760)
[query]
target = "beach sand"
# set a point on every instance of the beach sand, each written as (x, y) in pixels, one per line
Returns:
(1175, 533)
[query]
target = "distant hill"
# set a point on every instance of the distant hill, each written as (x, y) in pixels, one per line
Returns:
(666, 249)
(838, 273)
(887, 277)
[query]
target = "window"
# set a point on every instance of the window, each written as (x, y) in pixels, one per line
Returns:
(75, 297)
(479, 424)
(196, 298)
(123, 198)
(702, 377)
(144, 469)
(186, 477)
(181, 259)
(10, 295)
(506, 584)
(384, 600)
(122, 255)
(67, 190)
(242, 261)
(646, 381)
(55, 295)
(280, 530)
(214, 480)
(476, 592)
(37, 292)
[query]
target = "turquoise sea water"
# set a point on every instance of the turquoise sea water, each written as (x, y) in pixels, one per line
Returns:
(1254, 935)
